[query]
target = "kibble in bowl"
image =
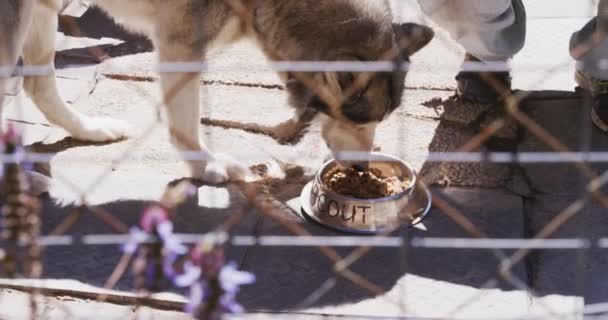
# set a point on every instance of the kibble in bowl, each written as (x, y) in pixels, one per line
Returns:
(365, 201)
(364, 184)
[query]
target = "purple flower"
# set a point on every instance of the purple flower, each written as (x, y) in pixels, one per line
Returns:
(152, 217)
(197, 294)
(213, 285)
(11, 140)
(137, 236)
(155, 224)
(171, 243)
(190, 276)
(230, 280)
(172, 247)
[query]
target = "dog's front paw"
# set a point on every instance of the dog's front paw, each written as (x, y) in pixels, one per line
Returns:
(99, 129)
(222, 168)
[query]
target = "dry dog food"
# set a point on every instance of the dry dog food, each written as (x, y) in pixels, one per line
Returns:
(365, 184)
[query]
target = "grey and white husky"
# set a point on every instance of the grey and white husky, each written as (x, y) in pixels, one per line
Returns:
(183, 30)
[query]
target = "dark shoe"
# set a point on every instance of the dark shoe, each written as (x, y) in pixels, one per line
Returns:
(599, 92)
(474, 86)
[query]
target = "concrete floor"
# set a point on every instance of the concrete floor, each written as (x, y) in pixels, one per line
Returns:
(503, 201)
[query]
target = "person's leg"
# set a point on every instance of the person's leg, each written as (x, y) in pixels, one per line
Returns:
(589, 47)
(489, 30)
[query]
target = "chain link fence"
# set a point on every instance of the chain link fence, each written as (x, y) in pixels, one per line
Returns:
(195, 264)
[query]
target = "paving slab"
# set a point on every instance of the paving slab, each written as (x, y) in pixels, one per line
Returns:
(569, 272)
(450, 137)
(93, 264)
(424, 298)
(407, 133)
(72, 84)
(15, 305)
(557, 186)
(241, 63)
(515, 305)
(294, 273)
(566, 118)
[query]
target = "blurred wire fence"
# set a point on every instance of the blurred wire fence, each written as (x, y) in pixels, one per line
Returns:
(162, 259)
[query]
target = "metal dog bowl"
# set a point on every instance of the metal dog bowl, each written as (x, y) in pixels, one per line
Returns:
(377, 215)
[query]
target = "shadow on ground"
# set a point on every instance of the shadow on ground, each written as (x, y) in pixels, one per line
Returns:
(94, 23)
(529, 195)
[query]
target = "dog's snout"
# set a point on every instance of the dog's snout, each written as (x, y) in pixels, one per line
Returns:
(350, 144)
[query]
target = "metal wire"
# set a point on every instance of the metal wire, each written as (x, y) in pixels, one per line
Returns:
(269, 208)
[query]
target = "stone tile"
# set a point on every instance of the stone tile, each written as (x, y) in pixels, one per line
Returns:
(93, 264)
(569, 272)
(423, 104)
(420, 297)
(150, 148)
(22, 108)
(538, 9)
(288, 275)
(554, 187)
(230, 60)
(450, 137)
(402, 134)
(15, 305)
(547, 41)
(566, 120)
(495, 213)
(73, 89)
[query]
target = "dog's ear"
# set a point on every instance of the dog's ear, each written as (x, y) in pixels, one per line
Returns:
(412, 37)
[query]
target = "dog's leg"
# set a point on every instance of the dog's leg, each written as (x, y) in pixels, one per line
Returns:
(181, 93)
(39, 51)
(16, 17)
